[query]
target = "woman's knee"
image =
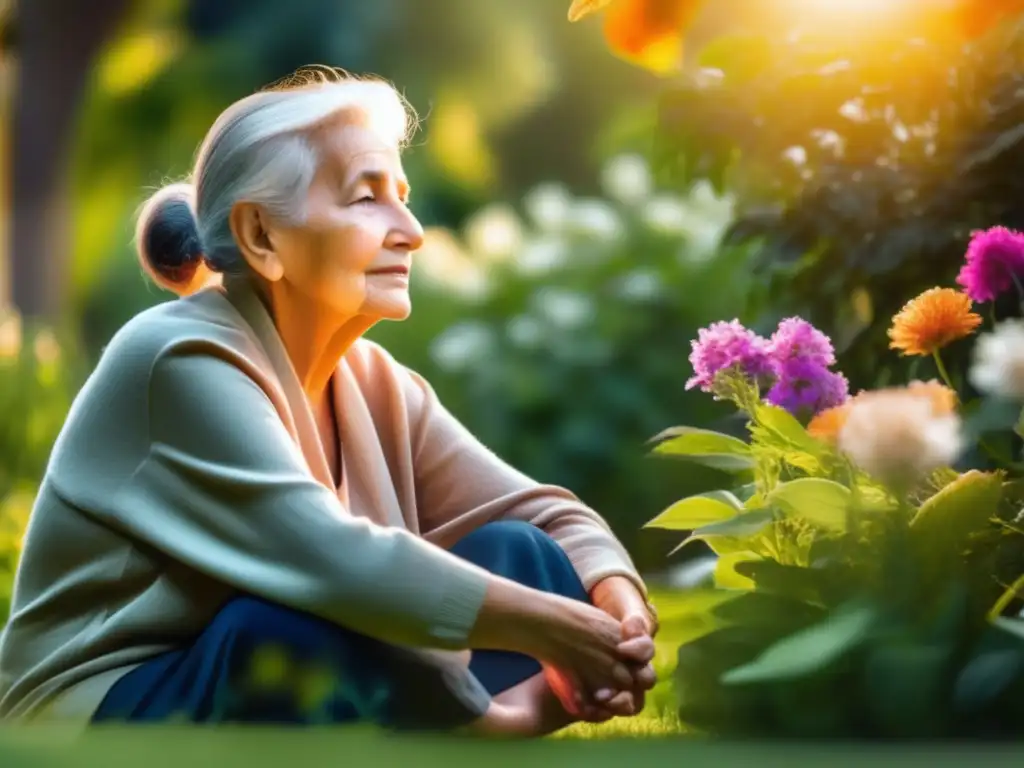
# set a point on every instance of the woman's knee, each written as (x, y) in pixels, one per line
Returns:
(253, 620)
(523, 553)
(511, 535)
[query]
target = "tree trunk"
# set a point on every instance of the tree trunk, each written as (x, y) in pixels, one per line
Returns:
(57, 43)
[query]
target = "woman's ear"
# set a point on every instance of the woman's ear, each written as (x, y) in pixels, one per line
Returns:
(252, 231)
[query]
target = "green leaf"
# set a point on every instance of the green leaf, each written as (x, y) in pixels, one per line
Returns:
(695, 511)
(792, 581)
(745, 524)
(759, 608)
(726, 575)
(732, 534)
(985, 677)
(720, 545)
(704, 447)
(945, 522)
(779, 428)
(822, 502)
(905, 681)
(809, 650)
(1013, 626)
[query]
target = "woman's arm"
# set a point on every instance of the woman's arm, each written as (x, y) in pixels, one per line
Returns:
(461, 484)
(224, 489)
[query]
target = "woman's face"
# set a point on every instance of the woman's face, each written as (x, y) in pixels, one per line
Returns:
(352, 254)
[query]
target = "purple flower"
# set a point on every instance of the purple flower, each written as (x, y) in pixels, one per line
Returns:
(994, 257)
(796, 339)
(726, 345)
(806, 387)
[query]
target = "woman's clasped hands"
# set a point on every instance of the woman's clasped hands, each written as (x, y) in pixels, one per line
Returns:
(597, 662)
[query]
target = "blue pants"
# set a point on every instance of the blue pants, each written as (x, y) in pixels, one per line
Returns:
(259, 662)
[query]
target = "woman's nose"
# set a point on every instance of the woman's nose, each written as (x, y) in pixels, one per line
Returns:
(407, 233)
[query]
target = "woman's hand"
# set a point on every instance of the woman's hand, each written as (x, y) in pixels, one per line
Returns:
(619, 598)
(591, 667)
(583, 643)
(606, 702)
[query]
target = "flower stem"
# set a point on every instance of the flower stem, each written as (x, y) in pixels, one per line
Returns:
(1020, 289)
(942, 370)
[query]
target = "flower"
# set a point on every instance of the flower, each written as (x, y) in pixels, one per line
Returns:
(974, 19)
(795, 338)
(648, 33)
(494, 232)
(805, 387)
(827, 424)
(726, 345)
(547, 205)
(627, 178)
(942, 398)
(994, 258)
(998, 367)
(931, 321)
(896, 436)
(462, 345)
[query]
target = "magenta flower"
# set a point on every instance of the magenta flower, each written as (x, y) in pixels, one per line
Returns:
(805, 387)
(796, 339)
(728, 345)
(994, 257)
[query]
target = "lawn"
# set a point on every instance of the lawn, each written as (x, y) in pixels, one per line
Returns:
(653, 737)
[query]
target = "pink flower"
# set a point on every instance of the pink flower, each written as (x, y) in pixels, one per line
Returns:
(994, 258)
(727, 345)
(796, 339)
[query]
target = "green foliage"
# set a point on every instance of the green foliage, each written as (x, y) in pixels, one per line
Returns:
(860, 166)
(37, 382)
(842, 608)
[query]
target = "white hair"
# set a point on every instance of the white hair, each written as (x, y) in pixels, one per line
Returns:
(261, 150)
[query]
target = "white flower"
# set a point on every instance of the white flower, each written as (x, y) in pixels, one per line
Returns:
(998, 367)
(667, 214)
(494, 232)
(540, 255)
(627, 178)
(564, 309)
(525, 331)
(898, 437)
(640, 285)
(595, 218)
(461, 345)
(548, 205)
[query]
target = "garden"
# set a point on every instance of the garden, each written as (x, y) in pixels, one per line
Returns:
(770, 324)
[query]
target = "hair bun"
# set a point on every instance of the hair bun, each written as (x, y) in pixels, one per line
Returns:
(167, 240)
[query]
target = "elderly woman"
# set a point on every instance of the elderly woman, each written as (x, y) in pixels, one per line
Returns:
(254, 514)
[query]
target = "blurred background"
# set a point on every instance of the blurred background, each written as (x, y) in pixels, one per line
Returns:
(566, 269)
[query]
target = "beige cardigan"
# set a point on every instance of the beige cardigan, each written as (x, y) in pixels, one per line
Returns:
(190, 467)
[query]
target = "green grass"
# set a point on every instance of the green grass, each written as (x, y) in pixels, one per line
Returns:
(266, 748)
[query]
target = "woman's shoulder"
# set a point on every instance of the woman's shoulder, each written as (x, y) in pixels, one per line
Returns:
(206, 318)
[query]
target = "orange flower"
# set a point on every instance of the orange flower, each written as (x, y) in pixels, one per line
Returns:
(827, 425)
(944, 399)
(931, 321)
(649, 33)
(977, 17)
